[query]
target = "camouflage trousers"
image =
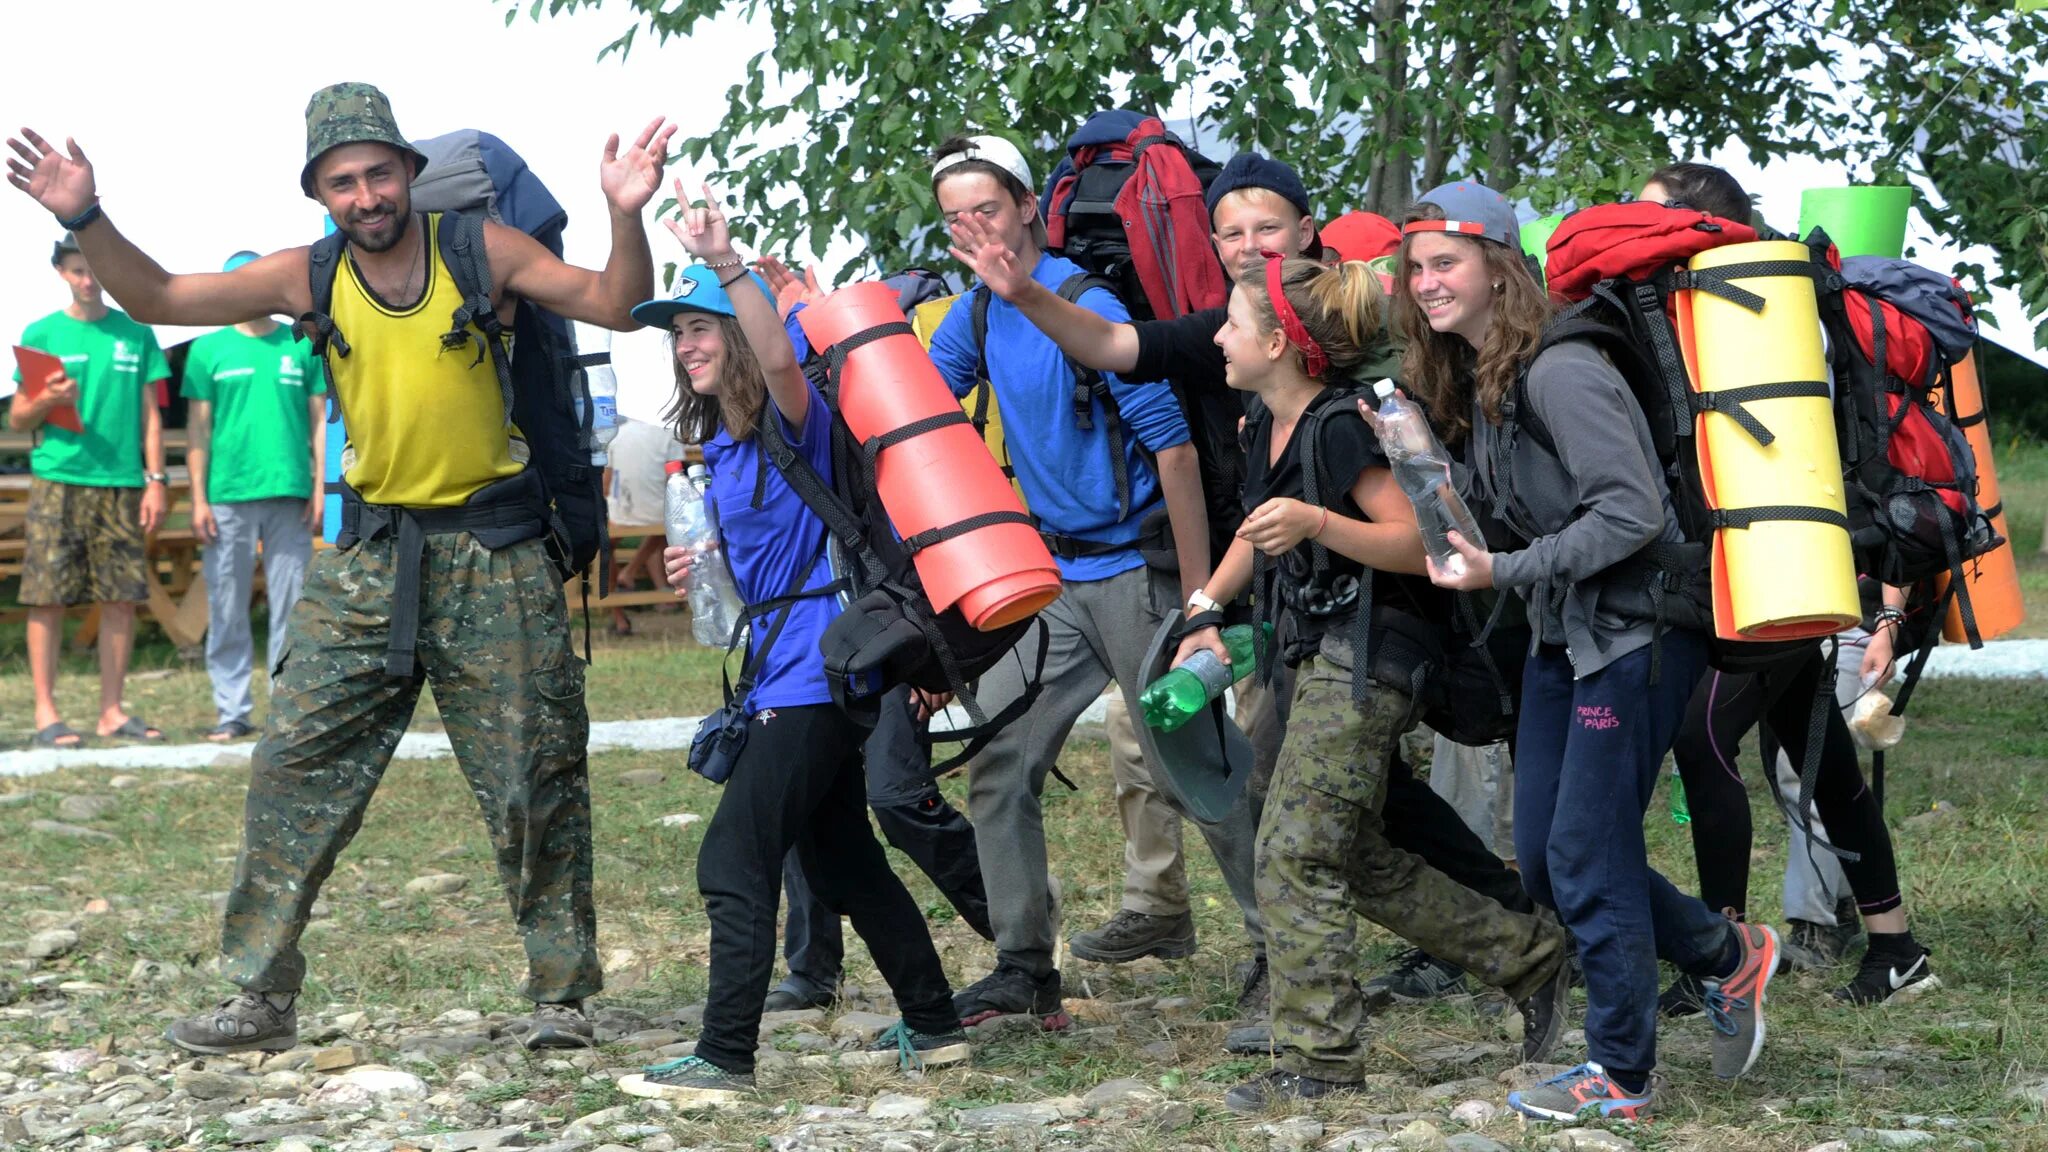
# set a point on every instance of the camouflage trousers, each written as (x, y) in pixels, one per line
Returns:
(1324, 859)
(494, 643)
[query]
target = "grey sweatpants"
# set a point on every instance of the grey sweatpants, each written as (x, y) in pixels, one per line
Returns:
(1099, 631)
(1813, 876)
(230, 566)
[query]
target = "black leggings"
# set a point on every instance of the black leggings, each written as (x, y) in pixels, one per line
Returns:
(1724, 708)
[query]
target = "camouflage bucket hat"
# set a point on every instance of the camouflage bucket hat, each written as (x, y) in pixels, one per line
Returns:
(351, 113)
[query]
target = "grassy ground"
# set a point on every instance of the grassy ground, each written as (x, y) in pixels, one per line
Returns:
(1975, 877)
(2023, 484)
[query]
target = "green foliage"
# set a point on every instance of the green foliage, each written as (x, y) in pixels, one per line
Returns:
(1374, 100)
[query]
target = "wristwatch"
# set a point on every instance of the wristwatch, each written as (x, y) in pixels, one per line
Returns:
(1201, 601)
(156, 478)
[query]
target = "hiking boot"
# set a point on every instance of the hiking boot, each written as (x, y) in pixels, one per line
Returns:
(784, 1000)
(1134, 935)
(559, 1026)
(1254, 990)
(690, 1080)
(1735, 1006)
(1278, 1086)
(902, 1046)
(1250, 1040)
(1009, 991)
(1579, 1091)
(249, 1020)
(1685, 997)
(1815, 946)
(1417, 976)
(1543, 1015)
(1885, 975)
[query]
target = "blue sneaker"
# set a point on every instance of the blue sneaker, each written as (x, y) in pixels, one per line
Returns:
(1580, 1091)
(690, 1081)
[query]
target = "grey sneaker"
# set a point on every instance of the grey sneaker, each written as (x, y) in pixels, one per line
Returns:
(1416, 976)
(1133, 935)
(690, 1081)
(1735, 1006)
(238, 1024)
(900, 1046)
(559, 1026)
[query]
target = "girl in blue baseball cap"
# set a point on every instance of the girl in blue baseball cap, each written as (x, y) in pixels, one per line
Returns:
(1561, 455)
(797, 780)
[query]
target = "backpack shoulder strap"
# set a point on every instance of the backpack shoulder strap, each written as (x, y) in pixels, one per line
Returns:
(839, 520)
(316, 326)
(460, 238)
(1089, 386)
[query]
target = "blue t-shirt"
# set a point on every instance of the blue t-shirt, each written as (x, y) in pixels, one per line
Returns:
(765, 545)
(1067, 473)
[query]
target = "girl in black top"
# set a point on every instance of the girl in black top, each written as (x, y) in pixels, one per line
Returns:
(1294, 329)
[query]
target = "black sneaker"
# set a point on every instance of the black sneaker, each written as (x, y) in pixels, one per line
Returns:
(1254, 990)
(1883, 976)
(690, 1080)
(1134, 935)
(900, 1046)
(1543, 1015)
(1278, 1086)
(783, 1000)
(1009, 991)
(249, 1020)
(1687, 996)
(559, 1026)
(1417, 976)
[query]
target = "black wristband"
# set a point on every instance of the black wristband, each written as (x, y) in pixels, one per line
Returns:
(79, 221)
(734, 278)
(1199, 621)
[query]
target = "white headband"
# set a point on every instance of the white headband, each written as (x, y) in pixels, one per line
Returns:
(989, 150)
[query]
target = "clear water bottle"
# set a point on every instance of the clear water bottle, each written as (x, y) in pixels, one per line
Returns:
(715, 602)
(594, 356)
(1423, 469)
(1182, 694)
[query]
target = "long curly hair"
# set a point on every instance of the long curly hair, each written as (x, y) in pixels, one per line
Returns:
(1436, 365)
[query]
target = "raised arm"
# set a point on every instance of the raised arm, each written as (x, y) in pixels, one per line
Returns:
(705, 234)
(1092, 340)
(63, 183)
(606, 298)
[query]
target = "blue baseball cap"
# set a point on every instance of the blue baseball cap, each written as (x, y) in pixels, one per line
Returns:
(1470, 209)
(237, 260)
(697, 290)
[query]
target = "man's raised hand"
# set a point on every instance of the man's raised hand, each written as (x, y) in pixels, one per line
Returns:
(61, 182)
(630, 178)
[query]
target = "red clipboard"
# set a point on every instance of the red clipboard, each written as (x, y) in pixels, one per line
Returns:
(36, 368)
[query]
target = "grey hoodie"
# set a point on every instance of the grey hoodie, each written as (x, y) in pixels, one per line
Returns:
(1588, 494)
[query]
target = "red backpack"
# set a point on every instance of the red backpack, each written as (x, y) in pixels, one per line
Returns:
(1634, 241)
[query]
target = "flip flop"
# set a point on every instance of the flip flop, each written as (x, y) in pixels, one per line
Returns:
(228, 730)
(134, 729)
(54, 737)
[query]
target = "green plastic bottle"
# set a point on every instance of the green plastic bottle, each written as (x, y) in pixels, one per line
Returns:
(1680, 814)
(1175, 698)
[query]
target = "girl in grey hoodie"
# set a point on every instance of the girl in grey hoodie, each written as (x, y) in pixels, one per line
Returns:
(1576, 479)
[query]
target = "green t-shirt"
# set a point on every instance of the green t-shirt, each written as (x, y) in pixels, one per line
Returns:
(116, 362)
(259, 387)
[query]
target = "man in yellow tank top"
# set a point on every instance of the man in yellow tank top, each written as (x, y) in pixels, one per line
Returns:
(478, 610)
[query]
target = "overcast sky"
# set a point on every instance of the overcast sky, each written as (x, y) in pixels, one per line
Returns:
(192, 112)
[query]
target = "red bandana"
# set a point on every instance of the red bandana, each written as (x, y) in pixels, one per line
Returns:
(1312, 353)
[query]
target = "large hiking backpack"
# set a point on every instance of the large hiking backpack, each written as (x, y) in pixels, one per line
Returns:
(1458, 655)
(1895, 330)
(889, 633)
(472, 176)
(1127, 204)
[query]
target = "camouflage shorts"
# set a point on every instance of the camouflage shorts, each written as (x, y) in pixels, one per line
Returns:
(82, 545)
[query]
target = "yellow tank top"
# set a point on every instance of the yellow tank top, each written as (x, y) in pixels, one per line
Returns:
(426, 426)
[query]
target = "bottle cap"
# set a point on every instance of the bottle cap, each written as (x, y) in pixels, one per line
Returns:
(696, 470)
(1384, 389)
(673, 467)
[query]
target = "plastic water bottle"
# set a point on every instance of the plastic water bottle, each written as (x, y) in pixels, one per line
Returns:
(1680, 814)
(714, 599)
(594, 355)
(1423, 469)
(1180, 695)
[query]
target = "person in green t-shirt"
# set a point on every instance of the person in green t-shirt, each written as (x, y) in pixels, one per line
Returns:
(257, 395)
(94, 495)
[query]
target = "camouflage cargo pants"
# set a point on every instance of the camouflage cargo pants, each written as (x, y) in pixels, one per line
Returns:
(1324, 859)
(494, 643)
